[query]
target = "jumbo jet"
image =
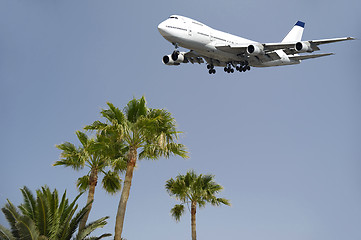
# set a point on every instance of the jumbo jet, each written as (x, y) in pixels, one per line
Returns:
(222, 49)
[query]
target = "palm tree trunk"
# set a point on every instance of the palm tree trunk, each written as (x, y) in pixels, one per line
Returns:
(93, 180)
(119, 221)
(193, 220)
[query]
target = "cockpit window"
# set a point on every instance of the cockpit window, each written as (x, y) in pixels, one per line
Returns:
(173, 17)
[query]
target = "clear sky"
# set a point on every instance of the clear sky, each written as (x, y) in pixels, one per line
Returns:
(284, 142)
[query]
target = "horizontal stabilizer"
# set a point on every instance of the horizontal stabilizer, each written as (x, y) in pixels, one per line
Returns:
(304, 57)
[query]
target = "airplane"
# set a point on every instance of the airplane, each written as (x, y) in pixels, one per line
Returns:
(222, 49)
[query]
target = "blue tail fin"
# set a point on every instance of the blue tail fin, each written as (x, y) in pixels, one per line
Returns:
(295, 35)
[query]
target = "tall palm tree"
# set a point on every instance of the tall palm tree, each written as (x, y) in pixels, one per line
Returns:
(91, 154)
(147, 134)
(45, 217)
(196, 190)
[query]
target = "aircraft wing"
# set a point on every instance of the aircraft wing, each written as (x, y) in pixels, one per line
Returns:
(235, 49)
(289, 48)
(296, 58)
(242, 50)
(331, 40)
(193, 57)
(313, 44)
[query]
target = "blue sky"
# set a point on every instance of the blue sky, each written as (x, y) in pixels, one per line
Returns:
(284, 142)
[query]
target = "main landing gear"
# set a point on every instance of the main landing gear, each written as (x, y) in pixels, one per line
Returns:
(241, 68)
(211, 69)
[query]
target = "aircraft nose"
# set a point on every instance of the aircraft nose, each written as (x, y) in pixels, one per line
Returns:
(162, 29)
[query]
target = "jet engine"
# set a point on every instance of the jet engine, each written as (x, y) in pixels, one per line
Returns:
(175, 58)
(303, 47)
(255, 49)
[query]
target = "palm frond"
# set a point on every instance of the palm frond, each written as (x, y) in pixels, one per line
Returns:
(27, 228)
(83, 183)
(111, 182)
(223, 201)
(119, 164)
(29, 206)
(83, 138)
(177, 211)
(135, 109)
(12, 216)
(101, 236)
(42, 215)
(70, 156)
(74, 222)
(113, 114)
(97, 125)
(5, 234)
(89, 228)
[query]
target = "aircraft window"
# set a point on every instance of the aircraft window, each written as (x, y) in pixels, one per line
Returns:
(198, 23)
(176, 28)
(173, 17)
(219, 38)
(203, 34)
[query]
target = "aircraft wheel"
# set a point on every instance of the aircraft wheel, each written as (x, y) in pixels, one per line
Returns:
(225, 69)
(232, 70)
(248, 68)
(237, 68)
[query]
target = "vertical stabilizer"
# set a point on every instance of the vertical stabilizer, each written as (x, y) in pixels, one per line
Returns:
(296, 32)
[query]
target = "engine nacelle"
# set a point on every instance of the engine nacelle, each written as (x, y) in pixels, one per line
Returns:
(255, 49)
(167, 60)
(302, 47)
(175, 58)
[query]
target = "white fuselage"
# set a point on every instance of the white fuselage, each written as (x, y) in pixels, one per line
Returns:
(196, 36)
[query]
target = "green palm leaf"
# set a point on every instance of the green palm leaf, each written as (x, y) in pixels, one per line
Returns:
(177, 211)
(29, 205)
(12, 216)
(111, 182)
(83, 183)
(5, 234)
(27, 228)
(91, 227)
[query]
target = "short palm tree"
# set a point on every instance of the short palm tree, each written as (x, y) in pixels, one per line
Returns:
(45, 217)
(146, 133)
(196, 190)
(91, 154)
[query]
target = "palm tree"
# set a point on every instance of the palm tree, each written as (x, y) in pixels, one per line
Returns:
(147, 134)
(91, 155)
(44, 217)
(194, 190)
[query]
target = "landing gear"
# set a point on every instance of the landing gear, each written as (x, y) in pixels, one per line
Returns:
(243, 67)
(211, 69)
(229, 68)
